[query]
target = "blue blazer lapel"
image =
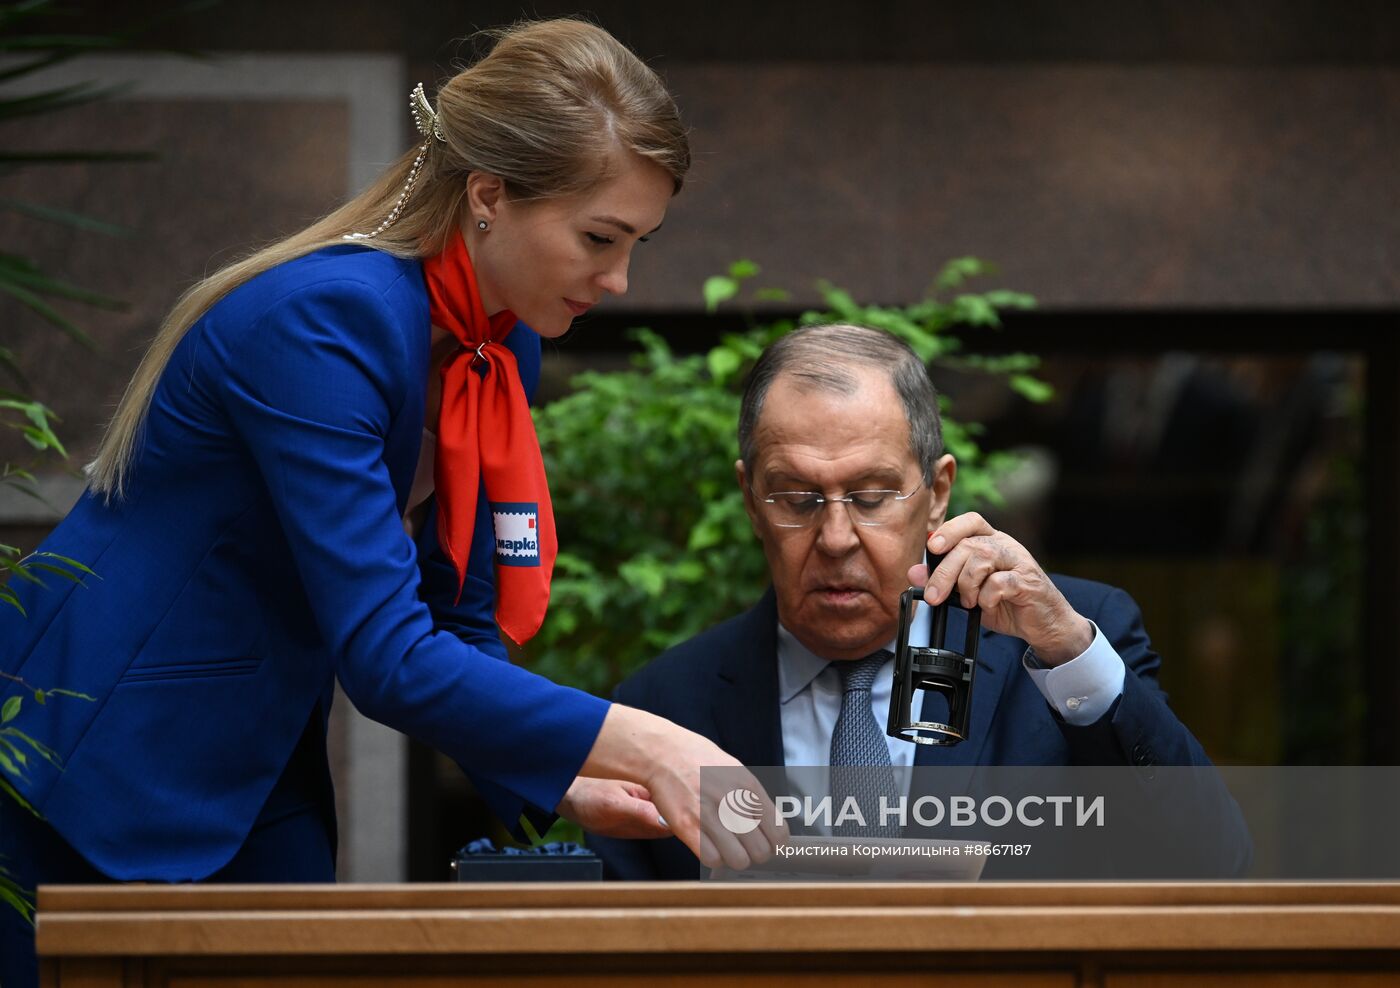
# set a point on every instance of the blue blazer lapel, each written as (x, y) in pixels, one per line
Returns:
(747, 719)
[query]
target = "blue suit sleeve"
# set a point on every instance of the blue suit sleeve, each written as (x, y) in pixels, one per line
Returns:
(623, 859)
(311, 388)
(471, 618)
(1139, 725)
(1201, 826)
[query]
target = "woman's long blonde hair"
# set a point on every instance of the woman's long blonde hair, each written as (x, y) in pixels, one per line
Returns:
(544, 110)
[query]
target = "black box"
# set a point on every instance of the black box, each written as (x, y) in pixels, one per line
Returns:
(527, 868)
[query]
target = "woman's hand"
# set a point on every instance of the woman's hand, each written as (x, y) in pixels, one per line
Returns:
(612, 808)
(667, 760)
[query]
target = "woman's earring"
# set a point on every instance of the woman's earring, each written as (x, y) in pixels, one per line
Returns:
(481, 224)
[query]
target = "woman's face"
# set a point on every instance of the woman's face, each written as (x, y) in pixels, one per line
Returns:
(549, 261)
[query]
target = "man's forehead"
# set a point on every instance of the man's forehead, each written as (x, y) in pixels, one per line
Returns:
(804, 467)
(806, 431)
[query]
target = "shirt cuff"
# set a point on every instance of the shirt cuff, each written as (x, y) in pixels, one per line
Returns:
(1083, 689)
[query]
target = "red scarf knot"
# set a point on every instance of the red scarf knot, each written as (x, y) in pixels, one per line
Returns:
(486, 436)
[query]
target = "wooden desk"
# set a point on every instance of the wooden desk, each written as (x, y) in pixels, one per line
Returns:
(1118, 936)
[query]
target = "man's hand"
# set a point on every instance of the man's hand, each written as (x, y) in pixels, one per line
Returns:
(991, 570)
(613, 808)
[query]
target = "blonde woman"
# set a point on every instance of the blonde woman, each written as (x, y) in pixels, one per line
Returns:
(325, 469)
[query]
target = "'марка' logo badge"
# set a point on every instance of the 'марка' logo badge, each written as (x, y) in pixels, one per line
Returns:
(517, 526)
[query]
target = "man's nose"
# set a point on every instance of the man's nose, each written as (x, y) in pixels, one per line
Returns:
(836, 530)
(614, 279)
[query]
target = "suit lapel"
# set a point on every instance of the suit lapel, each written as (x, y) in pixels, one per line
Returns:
(747, 719)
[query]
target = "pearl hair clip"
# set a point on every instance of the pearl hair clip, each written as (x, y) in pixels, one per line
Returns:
(425, 118)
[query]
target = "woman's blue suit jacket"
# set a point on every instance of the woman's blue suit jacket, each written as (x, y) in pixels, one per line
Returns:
(258, 555)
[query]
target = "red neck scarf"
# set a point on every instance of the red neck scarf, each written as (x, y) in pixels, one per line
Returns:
(485, 434)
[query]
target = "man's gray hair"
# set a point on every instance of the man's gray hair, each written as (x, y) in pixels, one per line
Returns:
(819, 358)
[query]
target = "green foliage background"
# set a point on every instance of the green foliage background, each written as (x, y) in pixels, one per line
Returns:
(654, 542)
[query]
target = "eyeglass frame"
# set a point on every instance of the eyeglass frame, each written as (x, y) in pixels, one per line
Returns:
(847, 499)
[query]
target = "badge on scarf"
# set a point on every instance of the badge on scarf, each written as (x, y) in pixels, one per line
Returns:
(517, 533)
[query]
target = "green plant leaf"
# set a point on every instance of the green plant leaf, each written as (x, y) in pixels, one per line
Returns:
(66, 561)
(840, 302)
(9, 766)
(11, 709)
(39, 434)
(25, 485)
(8, 361)
(56, 571)
(975, 311)
(22, 573)
(958, 271)
(43, 308)
(16, 897)
(717, 289)
(33, 65)
(72, 693)
(1004, 364)
(13, 793)
(528, 829)
(566, 562)
(1003, 299)
(18, 271)
(14, 752)
(49, 100)
(742, 269)
(13, 13)
(1031, 388)
(645, 575)
(66, 217)
(41, 749)
(8, 596)
(722, 362)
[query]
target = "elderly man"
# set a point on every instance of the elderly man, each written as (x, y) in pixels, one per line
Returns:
(845, 482)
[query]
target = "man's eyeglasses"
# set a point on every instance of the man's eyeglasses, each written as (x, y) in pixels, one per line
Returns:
(800, 509)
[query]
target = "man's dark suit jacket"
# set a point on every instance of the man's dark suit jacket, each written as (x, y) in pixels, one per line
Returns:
(723, 684)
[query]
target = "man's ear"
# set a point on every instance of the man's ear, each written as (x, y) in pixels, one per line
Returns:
(943, 473)
(741, 475)
(484, 194)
